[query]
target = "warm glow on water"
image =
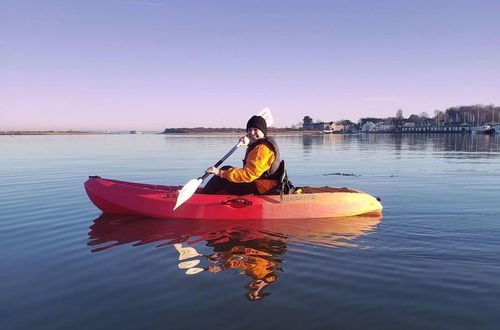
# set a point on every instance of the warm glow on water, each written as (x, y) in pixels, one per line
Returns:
(431, 260)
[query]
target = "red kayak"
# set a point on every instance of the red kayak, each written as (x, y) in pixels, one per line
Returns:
(157, 201)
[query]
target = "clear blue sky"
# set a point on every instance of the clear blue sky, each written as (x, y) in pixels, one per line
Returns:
(134, 64)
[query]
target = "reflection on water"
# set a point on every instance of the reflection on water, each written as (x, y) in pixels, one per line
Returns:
(258, 259)
(468, 143)
(433, 259)
(252, 248)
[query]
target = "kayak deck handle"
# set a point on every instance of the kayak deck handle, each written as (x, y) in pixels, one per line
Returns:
(237, 202)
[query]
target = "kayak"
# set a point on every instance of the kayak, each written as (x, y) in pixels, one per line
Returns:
(157, 201)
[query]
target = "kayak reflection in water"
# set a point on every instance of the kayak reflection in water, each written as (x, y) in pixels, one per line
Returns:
(252, 248)
(262, 170)
(258, 258)
(251, 259)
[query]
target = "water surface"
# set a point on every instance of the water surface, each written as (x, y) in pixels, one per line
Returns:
(432, 260)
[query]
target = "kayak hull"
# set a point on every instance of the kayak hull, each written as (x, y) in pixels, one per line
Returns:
(158, 201)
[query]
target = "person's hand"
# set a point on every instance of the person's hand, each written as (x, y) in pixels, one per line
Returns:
(244, 140)
(212, 170)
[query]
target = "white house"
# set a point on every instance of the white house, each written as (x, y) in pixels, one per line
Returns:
(368, 126)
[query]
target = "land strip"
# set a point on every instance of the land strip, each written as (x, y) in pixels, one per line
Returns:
(49, 133)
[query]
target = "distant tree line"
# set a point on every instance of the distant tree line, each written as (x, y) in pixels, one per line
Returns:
(472, 114)
(223, 130)
(479, 114)
(185, 130)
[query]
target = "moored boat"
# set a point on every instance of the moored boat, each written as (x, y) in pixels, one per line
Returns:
(157, 201)
(486, 129)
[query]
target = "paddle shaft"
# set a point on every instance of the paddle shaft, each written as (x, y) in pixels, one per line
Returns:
(221, 160)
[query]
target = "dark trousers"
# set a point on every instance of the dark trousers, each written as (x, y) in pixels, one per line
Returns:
(218, 185)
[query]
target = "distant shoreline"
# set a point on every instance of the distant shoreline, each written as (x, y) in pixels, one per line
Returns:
(232, 131)
(50, 133)
(222, 132)
(190, 132)
(242, 132)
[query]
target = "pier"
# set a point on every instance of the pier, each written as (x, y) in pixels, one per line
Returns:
(435, 129)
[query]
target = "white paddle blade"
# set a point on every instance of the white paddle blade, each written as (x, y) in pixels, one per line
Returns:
(187, 191)
(267, 115)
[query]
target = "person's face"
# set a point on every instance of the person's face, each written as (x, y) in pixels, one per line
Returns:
(254, 134)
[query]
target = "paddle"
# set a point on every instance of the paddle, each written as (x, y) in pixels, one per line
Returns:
(190, 188)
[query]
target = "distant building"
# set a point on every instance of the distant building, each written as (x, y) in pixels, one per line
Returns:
(338, 127)
(318, 126)
(384, 127)
(368, 126)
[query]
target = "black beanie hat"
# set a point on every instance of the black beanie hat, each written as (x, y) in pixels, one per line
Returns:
(258, 122)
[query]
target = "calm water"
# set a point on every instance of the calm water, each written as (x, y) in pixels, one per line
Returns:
(431, 262)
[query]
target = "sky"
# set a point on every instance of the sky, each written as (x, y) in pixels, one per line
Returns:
(153, 64)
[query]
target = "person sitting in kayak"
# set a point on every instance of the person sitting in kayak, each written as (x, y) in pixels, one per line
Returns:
(261, 170)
